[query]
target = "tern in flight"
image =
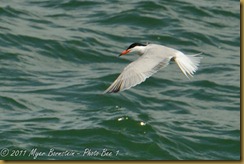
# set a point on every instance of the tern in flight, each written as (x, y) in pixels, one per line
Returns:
(152, 58)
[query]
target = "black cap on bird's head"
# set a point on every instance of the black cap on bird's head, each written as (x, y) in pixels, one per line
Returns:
(130, 47)
(135, 44)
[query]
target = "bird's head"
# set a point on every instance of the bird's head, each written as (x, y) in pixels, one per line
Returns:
(135, 47)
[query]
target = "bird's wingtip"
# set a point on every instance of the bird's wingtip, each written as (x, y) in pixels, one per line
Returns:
(111, 90)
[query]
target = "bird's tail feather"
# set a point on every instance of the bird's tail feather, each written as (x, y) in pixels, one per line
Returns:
(188, 63)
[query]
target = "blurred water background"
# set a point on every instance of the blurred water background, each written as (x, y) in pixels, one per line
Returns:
(57, 57)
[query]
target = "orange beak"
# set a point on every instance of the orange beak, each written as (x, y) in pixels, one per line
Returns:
(124, 52)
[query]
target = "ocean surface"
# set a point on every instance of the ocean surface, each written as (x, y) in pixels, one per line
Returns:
(57, 58)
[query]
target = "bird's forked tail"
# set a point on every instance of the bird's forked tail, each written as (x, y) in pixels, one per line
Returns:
(187, 63)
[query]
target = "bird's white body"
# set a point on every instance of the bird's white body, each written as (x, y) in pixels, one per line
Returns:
(152, 58)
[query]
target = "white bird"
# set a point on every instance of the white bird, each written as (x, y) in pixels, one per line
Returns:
(152, 58)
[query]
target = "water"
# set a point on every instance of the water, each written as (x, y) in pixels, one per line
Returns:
(57, 57)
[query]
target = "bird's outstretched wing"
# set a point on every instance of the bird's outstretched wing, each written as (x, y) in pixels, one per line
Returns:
(137, 72)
